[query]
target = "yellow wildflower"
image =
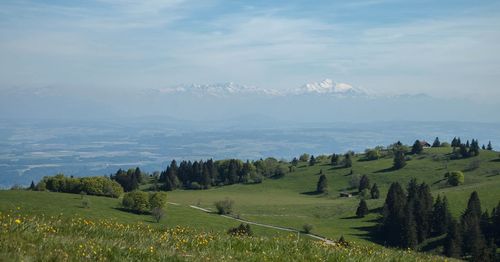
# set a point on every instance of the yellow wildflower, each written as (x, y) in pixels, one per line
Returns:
(18, 221)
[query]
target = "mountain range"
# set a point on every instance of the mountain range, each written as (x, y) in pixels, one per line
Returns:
(325, 87)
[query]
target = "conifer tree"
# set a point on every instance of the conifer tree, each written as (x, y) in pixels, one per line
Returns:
(364, 183)
(489, 147)
(436, 143)
(417, 147)
(473, 239)
(322, 186)
(312, 161)
(347, 160)
(32, 186)
(335, 160)
(393, 214)
(362, 209)
(453, 240)
(496, 223)
(295, 161)
(454, 143)
(375, 194)
(441, 216)
(399, 159)
(409, 232)
(423, 211)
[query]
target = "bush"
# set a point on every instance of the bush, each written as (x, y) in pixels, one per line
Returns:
(304, 157)
(136, 201)
(224, 207)
(372, 154)
(455, 178)
(99, 186)
(158, 200)
(157, 214)
(241, 230)
(307, 228)
(195, 186)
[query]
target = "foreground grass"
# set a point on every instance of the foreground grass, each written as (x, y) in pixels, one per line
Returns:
(59, 238)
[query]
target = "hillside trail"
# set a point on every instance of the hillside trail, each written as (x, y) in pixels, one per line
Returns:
(321, 238)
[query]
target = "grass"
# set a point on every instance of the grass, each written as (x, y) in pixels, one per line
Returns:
(284, 202)
(59, 238)
(287, 202)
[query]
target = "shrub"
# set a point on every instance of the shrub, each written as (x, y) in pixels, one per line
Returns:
(157, 214)
(158, 200)
(136, 201)
(307, 228)
(304, 157)
(99, 186)
(195, 186)
(372, 154)
(455, 178)
(224, 207)
(241, 230)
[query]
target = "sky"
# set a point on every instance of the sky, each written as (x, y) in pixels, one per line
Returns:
(441, 48)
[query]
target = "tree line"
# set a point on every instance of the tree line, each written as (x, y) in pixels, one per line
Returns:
(98, 186)
(411, 217)
(205, 174)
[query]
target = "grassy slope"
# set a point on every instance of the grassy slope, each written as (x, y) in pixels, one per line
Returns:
(286, 202)
(69, 205)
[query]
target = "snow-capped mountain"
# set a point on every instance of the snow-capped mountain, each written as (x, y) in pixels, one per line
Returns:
(218, 90)
(327, 86)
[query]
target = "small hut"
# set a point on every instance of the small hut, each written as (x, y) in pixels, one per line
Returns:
(345, 194)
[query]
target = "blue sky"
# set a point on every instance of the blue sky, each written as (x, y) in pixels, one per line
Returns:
(443, 48)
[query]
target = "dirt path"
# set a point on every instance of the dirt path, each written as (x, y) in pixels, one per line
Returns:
(264, 225)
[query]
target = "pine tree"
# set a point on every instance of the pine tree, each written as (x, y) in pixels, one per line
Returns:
(335, 160)
(496, 223)
(399, 159)
(473, 239)
(322, 186)
(347, 161)
(417, 147)
(32, 186)
(474, 205)
(483, 147)
(312, 161)
(467, 144)
(409, 232)
(489, 147)
(436, 143)
(364, 183)
(375, 194)
(453, 240)
(295, 161)
(441, 216)
(393, 214)
(454, 143)
(423, 212)
(362, 209)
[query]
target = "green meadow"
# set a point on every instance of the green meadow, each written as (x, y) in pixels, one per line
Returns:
(289, 202)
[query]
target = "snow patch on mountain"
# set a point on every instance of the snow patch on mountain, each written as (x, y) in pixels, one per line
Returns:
(325, 87)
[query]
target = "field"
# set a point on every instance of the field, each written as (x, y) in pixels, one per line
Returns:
(288, 202)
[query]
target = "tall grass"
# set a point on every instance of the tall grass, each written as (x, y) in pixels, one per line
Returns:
(58, 238)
